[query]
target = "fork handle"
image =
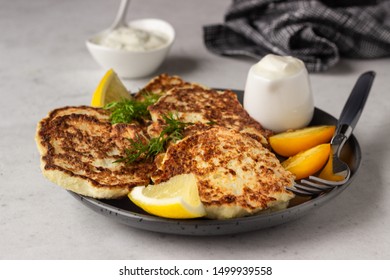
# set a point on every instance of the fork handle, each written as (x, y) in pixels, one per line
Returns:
(354, 106)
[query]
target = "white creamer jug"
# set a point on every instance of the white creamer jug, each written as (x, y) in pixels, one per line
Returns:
(278, 93)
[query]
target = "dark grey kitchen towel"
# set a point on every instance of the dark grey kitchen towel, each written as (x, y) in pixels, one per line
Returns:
(317, 32)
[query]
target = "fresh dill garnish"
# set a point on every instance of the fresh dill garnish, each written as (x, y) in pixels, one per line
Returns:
(128, 110)
(172, 132)
(137, 150)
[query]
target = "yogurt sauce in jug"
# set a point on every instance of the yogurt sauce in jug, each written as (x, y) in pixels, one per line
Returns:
(278, 94)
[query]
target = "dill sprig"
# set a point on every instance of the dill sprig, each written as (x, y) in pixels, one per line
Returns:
(129, 110)
(172, 132)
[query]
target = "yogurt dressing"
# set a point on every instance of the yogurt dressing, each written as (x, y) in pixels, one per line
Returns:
(278, 94)
(128, 38)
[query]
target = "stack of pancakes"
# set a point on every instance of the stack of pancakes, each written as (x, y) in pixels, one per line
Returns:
(224, 148)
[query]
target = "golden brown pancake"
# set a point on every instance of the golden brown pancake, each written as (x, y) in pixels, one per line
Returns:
(199, 105)
(78, 147)
(236, 175)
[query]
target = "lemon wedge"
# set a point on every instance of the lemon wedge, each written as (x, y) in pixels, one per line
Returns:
(110, 89)
(178, 198)
(292, 142)
(308, 162)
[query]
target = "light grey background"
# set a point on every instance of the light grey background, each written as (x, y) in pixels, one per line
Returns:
(44, 64)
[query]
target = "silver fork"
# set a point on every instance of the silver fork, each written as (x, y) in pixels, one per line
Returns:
(350, 115)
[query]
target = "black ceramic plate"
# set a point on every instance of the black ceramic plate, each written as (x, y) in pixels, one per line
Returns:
(126, 212)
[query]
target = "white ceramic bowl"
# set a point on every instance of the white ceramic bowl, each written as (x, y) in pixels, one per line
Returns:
(133, 64)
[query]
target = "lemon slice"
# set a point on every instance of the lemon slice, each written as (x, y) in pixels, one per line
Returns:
(178, 198)
(110, 89)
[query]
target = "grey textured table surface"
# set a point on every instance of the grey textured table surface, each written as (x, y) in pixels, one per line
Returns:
(44, 64)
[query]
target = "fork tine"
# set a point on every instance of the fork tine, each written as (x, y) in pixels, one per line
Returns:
(330, 183)
(299, 192)
(319, 186)
(312, 190)
(315, 186)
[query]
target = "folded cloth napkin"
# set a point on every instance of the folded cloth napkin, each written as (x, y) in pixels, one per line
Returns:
(317, 32)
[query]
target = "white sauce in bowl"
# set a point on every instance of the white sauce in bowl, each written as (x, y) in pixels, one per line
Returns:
(132, 39)
(278, 94)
